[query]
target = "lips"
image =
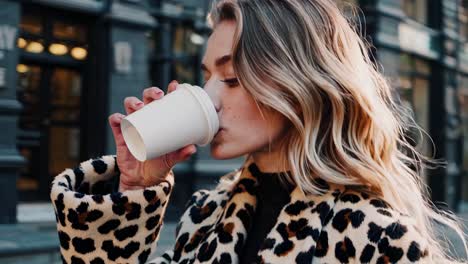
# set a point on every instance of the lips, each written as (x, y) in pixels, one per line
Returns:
(219, 131)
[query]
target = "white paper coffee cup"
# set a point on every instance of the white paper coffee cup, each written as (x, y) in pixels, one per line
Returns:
(183, 117)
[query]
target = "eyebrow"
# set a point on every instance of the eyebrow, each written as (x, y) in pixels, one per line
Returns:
(218, 62)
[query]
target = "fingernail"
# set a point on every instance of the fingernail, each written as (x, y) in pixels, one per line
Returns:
(158, 93)
(139, 104)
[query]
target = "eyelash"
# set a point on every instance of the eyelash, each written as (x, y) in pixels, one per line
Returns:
(230, 82)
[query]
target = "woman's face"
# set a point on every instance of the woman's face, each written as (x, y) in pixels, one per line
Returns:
(242, 128)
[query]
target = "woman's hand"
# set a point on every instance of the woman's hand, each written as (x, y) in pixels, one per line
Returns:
(133, 173)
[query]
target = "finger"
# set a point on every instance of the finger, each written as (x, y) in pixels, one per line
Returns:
(172, 86)
(132, 104)
(114, 122)
(185, 153)
(180, 155)
(151, 94)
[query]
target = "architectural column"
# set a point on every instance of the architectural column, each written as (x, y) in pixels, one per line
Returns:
(10, 160)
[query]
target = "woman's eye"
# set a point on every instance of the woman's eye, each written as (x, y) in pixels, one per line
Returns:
(231, 82)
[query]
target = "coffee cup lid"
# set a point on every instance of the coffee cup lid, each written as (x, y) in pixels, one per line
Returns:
(208, 108)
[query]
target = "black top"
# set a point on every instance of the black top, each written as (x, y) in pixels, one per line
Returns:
(272, 196)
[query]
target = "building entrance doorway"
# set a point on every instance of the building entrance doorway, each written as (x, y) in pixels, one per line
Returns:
(49, 125)
(51, 71)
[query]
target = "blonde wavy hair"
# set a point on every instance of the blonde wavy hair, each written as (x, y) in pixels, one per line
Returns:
(350, 129)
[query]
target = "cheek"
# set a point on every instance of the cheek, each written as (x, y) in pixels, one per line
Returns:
(243, 136)
(247, 131)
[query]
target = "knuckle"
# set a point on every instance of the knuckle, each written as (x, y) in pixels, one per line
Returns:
(132, 100)
(147, 91)
(167, 162)
(113, 117)
(128, 100)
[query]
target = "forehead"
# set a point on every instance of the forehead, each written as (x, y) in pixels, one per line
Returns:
(220, 42)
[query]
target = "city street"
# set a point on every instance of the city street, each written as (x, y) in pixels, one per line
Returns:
(333, 89)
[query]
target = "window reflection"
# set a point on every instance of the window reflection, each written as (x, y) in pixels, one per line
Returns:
(463, 17)
(79, 53)
(31, 24)
(67, 39)
(415, 9)
(66, 88)
(348, 8)
(63, 30)
(184, 72)
(186, 48)
(22, 43)
(29, 124)
(65, 117)
(28, 94)
(186, 40)
(58, 49)
(64, 148)
(463, 99)
(35, 46)
(414, 90)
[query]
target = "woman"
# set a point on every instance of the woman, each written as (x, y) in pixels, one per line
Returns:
(325, 179)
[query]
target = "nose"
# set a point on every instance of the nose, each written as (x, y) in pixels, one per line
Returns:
(214, 96)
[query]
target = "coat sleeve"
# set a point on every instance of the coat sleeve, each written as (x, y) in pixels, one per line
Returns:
(98, 225)
(165, 258)
(186, 227)
(363, 229)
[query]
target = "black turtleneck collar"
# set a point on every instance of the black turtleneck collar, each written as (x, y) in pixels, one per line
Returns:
(272, 195)
(269, 183)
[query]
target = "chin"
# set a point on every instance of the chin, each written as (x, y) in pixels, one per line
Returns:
(221, 152)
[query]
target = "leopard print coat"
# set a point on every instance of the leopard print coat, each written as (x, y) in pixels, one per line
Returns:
(96, 225)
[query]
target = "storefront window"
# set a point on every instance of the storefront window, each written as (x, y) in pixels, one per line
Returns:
(414, 88)
(187, 50)
(65, 39)
(409, 78)
(28, 93)
(345, 3)
(50, 122)
(68, 31)
(415, 9)
(348, 7)
(463, 17)
(186, 40)
(64, 131)
(178, 59)
(31, 24)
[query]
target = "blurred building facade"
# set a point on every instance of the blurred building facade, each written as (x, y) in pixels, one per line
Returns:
(422, 47)
(66, 65)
